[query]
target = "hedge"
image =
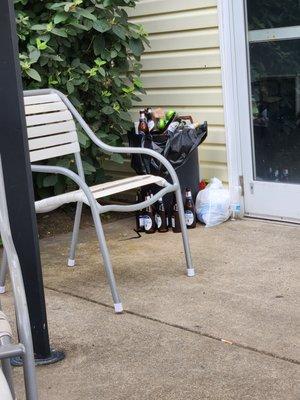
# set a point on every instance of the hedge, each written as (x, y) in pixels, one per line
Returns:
(89, 50)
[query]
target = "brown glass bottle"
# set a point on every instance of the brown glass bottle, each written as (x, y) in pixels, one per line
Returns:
(189, 210)
(161, 218)
(143, 126)
(175, 218)
(149, 217)
(139, 217)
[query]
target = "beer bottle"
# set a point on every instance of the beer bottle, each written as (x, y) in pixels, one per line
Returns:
(143, 126)
(189, 210)
(285, 175)
(161, 218)
(139, 217)
(150, 121)
(175, 218)
(149, 217)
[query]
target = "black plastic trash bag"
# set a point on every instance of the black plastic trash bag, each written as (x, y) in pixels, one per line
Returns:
(175, 145)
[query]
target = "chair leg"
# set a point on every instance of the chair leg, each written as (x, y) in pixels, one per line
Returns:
(185, 239)
(107, 263)
(30, 377)
(3, 272)
(71, 260)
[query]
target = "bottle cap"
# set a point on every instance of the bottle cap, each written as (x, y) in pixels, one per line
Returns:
(202, 185)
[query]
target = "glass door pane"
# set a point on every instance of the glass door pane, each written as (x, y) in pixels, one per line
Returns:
(264, 14)
(275, 89)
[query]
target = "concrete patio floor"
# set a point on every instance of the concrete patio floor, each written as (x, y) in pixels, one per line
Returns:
(228, 333)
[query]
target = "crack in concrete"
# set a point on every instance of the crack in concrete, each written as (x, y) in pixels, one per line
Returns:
(183, 328)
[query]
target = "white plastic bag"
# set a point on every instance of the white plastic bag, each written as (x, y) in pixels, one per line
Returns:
(213, 203)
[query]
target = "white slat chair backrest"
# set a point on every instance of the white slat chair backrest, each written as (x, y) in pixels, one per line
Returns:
(50, 127)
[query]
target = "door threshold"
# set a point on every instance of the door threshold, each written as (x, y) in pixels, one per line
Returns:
(277, 220)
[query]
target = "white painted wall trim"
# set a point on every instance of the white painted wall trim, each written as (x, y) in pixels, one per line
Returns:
(285, 33)
(230, 92)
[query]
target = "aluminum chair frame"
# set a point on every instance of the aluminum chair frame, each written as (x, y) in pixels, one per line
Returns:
(98, 209)
(24, 348)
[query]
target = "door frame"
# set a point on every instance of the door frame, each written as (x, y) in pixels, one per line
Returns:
(234, 63)
(237, 106)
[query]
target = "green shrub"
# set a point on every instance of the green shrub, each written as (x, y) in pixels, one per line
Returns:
(89, 50)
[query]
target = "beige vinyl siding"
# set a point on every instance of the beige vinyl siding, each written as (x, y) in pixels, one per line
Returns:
(182, 69)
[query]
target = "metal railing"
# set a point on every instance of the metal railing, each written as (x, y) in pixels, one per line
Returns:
(24, 348)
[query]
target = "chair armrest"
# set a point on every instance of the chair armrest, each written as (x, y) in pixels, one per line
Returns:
(114, 149)
(49, 169)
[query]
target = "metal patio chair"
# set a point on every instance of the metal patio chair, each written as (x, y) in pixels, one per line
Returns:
(51, 118)
(24, 348)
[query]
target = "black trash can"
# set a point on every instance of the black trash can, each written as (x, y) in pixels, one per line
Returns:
(189, 177)
(185, 162)
(189, 174)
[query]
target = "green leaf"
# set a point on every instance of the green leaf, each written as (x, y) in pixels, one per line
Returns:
(56, 6)
(50, 180)
(117, 158)
(86, 14)
(39, 27)
(128, 89)
(117, 81)
(83, 139)
(41, 45)
(33, 74)
(98, 44)
(75, 62)
(34, 54)
(53, 57)
(108, 110)
(101, 71)
(60, 32)
(125, 115)
(119, 31)
(79, 26)
(88, 168)
(106, 3)
(60, 17)
(138, 83)
(70, 87)
(101, 25)
(59, 187)
(68, 6)
(113, 53)
(136, 46)
(99, 62)
(63, 162)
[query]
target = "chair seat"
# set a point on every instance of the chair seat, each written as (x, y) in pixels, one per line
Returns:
(99, 191)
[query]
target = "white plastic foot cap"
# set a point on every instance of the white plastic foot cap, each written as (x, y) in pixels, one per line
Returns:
(71, 263)
(118, 308)
(190, 272)
(2, 289)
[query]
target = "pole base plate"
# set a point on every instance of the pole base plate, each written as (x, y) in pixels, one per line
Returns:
(54, 357)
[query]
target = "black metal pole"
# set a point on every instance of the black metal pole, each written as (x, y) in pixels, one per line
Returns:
(18, 178)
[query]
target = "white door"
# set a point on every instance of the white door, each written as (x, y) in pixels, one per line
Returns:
(268, 89)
